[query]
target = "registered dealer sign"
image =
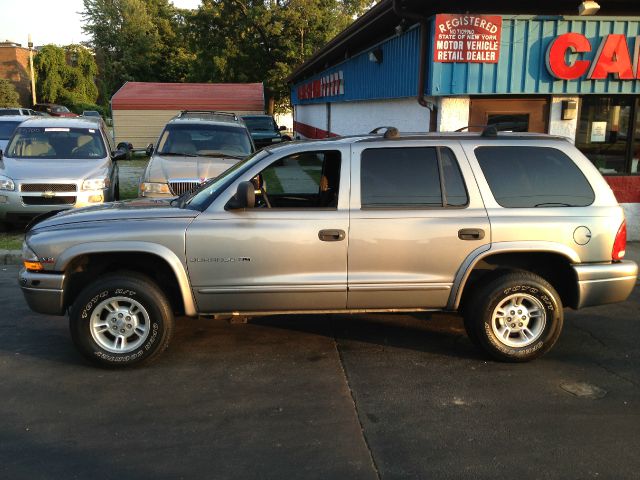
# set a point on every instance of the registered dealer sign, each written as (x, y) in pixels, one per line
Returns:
(467, 38)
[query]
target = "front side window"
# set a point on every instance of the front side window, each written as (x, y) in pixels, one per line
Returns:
(56, 143)
(204, 140)
(523, 177)
(302, 180)
(411, 177)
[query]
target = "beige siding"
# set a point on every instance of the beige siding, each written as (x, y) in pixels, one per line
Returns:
(142, 127)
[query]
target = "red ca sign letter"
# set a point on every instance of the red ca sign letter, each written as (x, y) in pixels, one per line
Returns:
(612, 57)
(557, 56)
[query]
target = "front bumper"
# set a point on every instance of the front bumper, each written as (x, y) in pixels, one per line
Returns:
(43, 292)
(599, 284)
(14, 208)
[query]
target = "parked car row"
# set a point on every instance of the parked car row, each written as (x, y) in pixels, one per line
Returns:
(60, 163)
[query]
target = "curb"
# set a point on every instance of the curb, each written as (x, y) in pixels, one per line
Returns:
(10, 257)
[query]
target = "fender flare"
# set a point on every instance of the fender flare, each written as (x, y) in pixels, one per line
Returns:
(176, 265)
(485, 251)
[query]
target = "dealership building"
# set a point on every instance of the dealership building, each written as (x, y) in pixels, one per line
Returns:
(561, 67)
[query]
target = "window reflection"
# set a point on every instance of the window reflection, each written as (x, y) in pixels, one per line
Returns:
(605, 132)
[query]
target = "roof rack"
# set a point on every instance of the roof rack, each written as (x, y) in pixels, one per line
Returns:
(390, 132)
(492, 130)
(184, 113)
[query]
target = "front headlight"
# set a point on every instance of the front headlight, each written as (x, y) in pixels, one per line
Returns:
(151, 187)
(30, 260)
(28, 254)
(6, 183)
(96, 184)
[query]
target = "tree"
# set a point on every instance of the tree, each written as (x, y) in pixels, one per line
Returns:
(136, 40)
(245, 40)
(66, 74)
(8, 95)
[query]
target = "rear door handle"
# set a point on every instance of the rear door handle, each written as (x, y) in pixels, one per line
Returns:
(471, 234)
(331, 235)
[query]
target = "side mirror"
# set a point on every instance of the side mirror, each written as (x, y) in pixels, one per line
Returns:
(119, 155)
(282, 128)
(245, 197)
(149, 150)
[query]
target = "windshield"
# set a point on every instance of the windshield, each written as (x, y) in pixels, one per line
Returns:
(7, 129)
(9, 111)
(260, 124)
(209, 191)
(59, 109)
(56, 143)
(202, 139)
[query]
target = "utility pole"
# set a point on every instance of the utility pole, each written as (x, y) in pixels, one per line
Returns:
(33, 77)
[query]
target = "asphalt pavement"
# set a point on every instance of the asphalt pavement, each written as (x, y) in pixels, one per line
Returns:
(333, 396)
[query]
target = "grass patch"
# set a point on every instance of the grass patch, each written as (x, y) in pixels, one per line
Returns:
(129, 173)
(11, 241)
(272, 181)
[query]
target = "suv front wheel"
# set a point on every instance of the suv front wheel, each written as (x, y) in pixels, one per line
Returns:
(517, 317)
(121, 320)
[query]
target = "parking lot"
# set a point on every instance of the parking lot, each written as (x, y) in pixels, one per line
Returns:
(334, 396)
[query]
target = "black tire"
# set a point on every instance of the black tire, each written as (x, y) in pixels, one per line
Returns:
(518, 333)
(116, 192)
(132, 292)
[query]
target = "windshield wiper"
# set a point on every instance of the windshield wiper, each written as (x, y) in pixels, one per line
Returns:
(223, 155)
(186, 196)
(174, 154)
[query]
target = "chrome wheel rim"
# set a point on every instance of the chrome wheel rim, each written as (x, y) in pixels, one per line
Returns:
(120, 324)
(519, 320)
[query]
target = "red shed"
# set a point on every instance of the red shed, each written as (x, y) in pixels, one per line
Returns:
(141, 109)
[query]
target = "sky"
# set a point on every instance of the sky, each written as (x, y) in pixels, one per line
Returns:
(49, 21)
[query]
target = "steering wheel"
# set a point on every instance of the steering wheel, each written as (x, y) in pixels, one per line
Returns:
(267, 203)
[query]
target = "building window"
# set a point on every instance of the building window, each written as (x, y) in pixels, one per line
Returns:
(609, 133)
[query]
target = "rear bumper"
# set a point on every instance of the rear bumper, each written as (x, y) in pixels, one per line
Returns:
(43, 291)
(605, 283)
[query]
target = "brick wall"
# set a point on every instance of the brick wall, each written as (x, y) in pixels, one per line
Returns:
(14, 66)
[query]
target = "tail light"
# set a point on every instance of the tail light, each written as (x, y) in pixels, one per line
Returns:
(620, 243)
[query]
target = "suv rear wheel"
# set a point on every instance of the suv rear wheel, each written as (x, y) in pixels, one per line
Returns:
(517, 317)
(121, 320)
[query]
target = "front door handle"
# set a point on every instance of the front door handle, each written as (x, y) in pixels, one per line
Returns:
(331, 235)
(471, 234)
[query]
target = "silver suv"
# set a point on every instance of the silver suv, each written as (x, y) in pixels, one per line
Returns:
(54, 164)
(194, 147)
(507, 229)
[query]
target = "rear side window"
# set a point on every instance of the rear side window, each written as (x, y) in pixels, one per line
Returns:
(411, 177)
(524, 177)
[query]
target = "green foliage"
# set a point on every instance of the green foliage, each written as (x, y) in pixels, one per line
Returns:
(137, 40)
(249, 41)
(221, 41)
(8, 95)
(66, 75)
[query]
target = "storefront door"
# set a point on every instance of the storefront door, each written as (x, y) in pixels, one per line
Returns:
(609, 133)
(515, 115)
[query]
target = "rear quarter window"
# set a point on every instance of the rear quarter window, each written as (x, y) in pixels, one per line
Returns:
(525, 177)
